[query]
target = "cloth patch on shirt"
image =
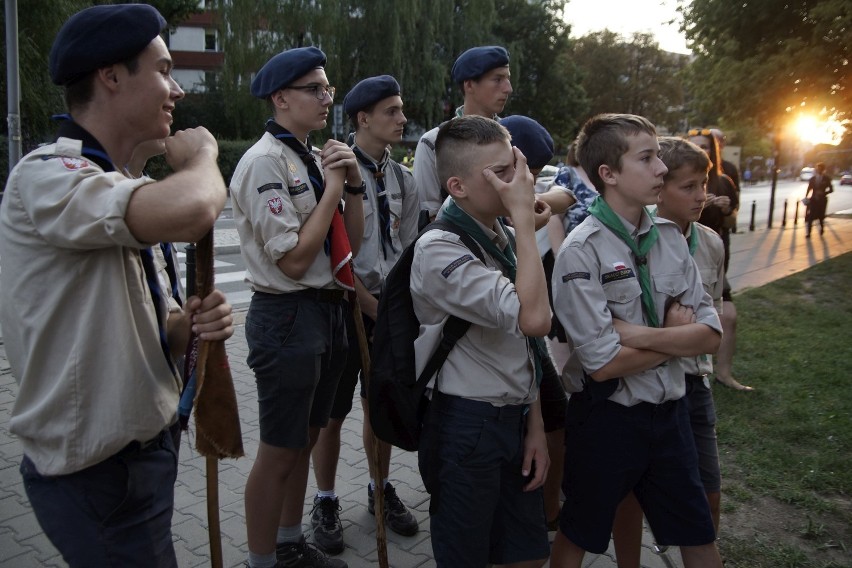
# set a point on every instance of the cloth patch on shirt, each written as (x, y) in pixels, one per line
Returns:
(575, 275)
(455, 264)
(275, 205)
(298, 190)
(619, 265)
(74, 164)
(268, 186)
(622, 274)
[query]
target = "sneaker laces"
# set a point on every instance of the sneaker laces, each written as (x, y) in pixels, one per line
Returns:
(393, 503)
(314, 554)
(328, 512)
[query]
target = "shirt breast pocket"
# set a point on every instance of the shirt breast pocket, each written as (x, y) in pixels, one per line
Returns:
(303, 199)
(623, 299)
(671, 285)
(709, 278)
(369, 218)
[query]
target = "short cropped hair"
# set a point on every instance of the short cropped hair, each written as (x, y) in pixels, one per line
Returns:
(677, 153)
(603, 140)
(457, 140)
(80, 92)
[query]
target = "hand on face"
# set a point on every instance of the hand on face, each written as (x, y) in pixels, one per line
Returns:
(518, 193)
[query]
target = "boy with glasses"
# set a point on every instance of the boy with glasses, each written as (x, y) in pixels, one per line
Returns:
(287, 199)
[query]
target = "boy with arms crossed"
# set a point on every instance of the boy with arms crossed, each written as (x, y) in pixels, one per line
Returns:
(483, 454)
(628, 425)
(681, 200)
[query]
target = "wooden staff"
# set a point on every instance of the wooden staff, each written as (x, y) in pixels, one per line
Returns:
(217, 422)
(374, 459)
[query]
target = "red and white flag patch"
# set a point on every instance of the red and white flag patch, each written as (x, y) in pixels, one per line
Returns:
(74, 164)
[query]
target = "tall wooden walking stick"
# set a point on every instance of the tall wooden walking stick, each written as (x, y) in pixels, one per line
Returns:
(374, 458)
(217, 420)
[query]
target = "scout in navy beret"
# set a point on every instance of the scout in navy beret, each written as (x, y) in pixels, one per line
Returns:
(477, 61)
(284, 68)
(368, 92)
(101, 36)
(531, 138)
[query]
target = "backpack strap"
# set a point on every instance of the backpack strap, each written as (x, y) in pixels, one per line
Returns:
(455, 327)
(397, 170)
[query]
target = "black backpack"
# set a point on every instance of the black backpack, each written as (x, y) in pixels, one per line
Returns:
(396, 396)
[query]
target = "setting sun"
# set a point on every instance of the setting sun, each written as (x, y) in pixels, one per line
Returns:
(815, 131)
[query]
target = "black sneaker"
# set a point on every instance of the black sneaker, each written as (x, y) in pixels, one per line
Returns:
(397, 516)
(304, 555)
(325, 519)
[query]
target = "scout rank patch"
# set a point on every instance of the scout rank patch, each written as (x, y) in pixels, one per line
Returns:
(576, 275)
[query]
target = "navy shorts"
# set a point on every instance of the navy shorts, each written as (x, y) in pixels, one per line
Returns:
(470, 459)
(554, 401)
(297, 350)
(611, 449)
(702, 417)
(116, 513)
(352, 370)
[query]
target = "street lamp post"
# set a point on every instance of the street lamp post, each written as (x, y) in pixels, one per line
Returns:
(776, 153)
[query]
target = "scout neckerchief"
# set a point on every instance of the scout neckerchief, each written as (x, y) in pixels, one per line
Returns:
(337, 246)
(378, 171)
(604, 213)
(93, 151)
(506, 257)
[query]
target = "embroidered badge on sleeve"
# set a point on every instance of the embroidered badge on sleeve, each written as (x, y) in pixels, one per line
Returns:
(276, 206)
(455, 264)
(268, 186)
(576, 275)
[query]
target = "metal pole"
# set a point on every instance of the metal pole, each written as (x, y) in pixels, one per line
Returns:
(13, 85)
(784, 216)
(777, 155)
(753, 213)
(796, 216)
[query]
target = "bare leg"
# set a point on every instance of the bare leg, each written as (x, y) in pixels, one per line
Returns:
(725, 355)
(553, 484)
(565, 553)
(265, 492)
(715, 500)
(325, 455)
(296, 485)
(627, 532)
(705, 556)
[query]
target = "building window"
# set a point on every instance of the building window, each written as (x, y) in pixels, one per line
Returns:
(210, 43)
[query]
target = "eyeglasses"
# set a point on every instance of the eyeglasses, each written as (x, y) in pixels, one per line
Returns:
(318, 90)
(700, 132)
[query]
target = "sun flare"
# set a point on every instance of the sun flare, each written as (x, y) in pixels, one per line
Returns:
(819, 131)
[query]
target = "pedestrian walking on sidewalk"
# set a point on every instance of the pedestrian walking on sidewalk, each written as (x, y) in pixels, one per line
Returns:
(816, 196)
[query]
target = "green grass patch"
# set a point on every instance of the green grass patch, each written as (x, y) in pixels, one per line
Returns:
(791, 439)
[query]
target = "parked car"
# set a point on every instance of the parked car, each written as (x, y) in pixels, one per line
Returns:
(806, 174)
(846, 179)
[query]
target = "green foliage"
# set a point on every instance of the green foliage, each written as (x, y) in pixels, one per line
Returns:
(758, 62)
(633, 76)
(790, 440)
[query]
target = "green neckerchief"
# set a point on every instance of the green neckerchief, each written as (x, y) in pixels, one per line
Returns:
(457, 216)
(693, 238)
(601, 211)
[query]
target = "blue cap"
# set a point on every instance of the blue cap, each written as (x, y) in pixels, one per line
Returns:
(531, 138)
(284, 68)
(477, 61)
(100, 36)
(368, 92)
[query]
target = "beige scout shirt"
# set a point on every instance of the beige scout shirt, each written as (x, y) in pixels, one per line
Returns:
(426, 173)
(594, 281)
(272, 198)
(709, 257)
(492, 362)
(78, 320)
(371, 266)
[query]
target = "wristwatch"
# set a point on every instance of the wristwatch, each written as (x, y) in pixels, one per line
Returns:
(355, 190)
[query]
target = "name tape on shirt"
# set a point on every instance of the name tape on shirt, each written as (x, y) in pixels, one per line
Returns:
(298, 190)
(455, 264)
(268, 186)
(576, 275)
(622, 274)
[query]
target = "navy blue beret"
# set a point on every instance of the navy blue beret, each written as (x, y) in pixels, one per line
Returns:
(531, 138)
(284, 68)
(477, 61)
(368, 92)
(100, 36)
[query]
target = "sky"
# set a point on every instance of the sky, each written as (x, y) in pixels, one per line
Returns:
(627, 16)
